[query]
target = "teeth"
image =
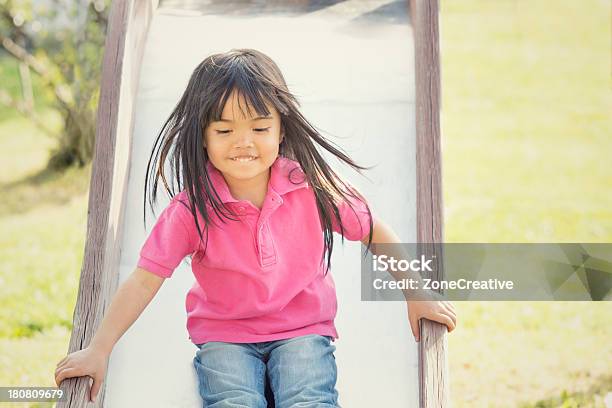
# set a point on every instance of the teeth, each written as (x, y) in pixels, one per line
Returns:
(243, 159)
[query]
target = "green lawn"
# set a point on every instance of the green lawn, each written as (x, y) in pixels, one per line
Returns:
(526, 124)
(527, 96)
(43, 220)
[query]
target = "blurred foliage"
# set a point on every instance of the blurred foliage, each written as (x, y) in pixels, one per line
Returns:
(61, 42)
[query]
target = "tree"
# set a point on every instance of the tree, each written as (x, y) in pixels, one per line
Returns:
(61, 41)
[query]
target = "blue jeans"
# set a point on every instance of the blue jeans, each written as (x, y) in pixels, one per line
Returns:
(301, 371)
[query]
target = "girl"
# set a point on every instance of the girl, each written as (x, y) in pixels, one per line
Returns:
(256, 209)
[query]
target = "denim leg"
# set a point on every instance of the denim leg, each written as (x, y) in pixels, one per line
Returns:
(230, 375)
(303, 372)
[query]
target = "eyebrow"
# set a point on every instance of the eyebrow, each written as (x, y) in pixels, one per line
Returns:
(252, 120)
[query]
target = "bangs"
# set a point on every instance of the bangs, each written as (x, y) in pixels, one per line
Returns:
(255, 96)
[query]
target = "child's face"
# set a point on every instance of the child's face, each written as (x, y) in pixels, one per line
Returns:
(243, 147)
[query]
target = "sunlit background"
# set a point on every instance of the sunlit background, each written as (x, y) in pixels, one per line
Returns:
(527, 140)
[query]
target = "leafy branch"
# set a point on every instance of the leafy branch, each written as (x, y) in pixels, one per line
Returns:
(63, 47)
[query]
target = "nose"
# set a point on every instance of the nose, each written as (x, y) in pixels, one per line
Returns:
(245, 139)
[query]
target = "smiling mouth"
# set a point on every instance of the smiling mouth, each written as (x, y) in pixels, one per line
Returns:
(243, 159)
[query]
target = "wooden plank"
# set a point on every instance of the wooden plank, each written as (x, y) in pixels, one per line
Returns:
(126, 36)
(433, 365)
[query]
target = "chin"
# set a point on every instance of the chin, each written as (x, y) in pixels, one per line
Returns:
(245, 173)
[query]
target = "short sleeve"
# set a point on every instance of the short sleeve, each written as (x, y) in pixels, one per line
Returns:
(355, 221)
(170, 240)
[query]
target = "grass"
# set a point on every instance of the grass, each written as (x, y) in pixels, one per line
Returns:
(42, 252)
(30, 361)
(526, 133)
(509, 354)
(526, 121)
(43, 216)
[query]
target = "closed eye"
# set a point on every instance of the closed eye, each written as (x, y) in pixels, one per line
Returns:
(262, 129)
(223, 132)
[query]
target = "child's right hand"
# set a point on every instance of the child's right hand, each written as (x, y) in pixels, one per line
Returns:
(87, 362)
(430, 305)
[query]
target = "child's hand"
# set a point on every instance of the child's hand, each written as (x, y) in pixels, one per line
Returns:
(430, 306)
(89, 361)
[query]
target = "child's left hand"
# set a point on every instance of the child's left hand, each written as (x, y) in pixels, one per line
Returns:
(441, 311)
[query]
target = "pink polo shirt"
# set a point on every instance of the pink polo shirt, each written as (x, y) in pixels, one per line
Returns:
(262, 278)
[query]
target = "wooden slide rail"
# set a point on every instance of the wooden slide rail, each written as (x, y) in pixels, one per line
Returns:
(433, 365)
(129, 21)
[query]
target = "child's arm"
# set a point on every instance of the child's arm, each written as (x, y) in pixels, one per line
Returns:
(127, 304)
(432, 308)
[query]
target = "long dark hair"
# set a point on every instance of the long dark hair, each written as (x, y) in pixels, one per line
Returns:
(258, 79)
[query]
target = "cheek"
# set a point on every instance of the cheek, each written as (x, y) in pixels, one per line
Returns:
(272, 141)
(215, 151)
(270, 149)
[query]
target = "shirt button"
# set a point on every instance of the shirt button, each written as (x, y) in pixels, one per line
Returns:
(241, 210)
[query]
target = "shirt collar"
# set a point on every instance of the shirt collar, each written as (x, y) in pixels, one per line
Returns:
(285, 175)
